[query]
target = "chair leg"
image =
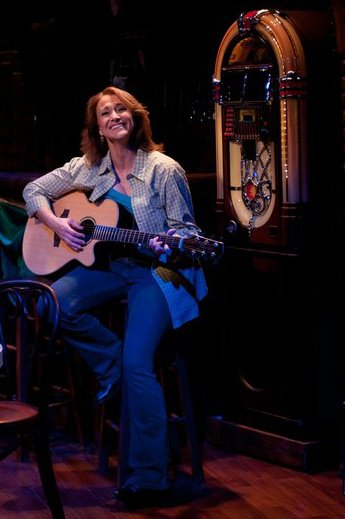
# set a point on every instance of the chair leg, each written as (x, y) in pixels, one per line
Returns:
(46, 471)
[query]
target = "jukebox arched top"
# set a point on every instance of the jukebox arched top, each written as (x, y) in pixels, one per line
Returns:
(260, 102)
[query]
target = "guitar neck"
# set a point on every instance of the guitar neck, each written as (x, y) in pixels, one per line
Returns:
(105, 233)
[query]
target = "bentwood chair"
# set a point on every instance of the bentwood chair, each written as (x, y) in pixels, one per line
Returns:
(27, 343)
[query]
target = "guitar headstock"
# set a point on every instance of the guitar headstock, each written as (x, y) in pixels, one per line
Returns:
(201, 247)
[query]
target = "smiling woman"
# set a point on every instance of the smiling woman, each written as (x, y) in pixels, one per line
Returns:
(163, 286)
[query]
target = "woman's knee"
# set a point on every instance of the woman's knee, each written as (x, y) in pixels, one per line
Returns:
(135, 369)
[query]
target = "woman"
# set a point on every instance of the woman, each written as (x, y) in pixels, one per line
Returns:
(163, 286)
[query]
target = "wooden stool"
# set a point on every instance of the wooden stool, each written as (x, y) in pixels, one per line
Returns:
(188, 418)
(172, 371)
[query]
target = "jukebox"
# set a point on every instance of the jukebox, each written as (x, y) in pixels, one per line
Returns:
(272, 205)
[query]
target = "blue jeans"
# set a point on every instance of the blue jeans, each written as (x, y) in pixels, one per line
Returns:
(148, 319)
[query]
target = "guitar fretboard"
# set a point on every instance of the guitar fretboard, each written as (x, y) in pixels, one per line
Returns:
(105, 233)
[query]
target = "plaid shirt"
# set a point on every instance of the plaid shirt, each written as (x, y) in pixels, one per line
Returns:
(161, 200)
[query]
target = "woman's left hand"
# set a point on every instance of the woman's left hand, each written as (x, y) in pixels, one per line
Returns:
(158, 247)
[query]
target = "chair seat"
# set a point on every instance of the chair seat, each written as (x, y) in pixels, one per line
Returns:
(12, 413)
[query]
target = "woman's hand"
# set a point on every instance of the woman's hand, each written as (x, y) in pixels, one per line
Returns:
(70, 232)
(159, 247)
(66, 228)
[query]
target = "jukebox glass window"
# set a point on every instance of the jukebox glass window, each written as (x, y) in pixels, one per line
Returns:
(246, 84)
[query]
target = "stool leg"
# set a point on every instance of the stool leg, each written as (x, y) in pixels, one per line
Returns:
(102, 444)
(123, 468)
(107, 429)
(75, 406)
(343, 454)
(197, 466)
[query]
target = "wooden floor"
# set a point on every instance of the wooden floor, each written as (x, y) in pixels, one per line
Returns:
(236, 487)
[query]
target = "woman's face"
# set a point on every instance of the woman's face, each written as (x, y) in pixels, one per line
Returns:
(115, 120)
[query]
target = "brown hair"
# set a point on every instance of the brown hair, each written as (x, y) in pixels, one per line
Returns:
(94, 147)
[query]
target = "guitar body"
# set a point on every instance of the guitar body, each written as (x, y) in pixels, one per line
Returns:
(44, 253)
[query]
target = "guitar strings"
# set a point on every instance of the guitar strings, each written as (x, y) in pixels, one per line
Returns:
(194, 245)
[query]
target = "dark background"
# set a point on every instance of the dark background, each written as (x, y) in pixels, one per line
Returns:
(55, 54)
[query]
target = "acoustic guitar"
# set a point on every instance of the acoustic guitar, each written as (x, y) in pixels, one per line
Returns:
(45, 253)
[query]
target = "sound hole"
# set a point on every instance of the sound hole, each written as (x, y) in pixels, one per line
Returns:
(88, 228)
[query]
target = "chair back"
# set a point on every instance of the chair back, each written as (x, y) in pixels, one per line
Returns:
(29, 322)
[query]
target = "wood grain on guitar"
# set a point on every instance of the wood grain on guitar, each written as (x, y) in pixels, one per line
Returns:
(45, 253)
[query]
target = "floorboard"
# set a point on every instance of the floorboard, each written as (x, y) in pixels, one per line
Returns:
(236, 487)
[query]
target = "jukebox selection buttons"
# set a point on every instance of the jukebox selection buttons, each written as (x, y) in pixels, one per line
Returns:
(229, 122)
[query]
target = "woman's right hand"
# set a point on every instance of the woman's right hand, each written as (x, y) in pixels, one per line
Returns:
(66, 228)
(70, 232)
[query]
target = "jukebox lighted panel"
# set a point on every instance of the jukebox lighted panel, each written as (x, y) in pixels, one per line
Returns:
(260, 85)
